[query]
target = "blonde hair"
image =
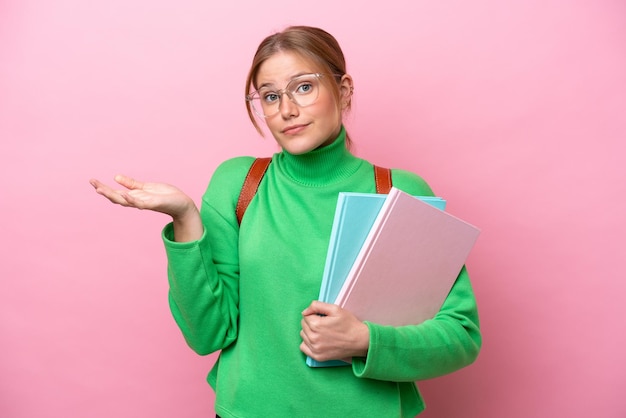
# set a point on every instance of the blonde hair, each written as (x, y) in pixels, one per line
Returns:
(311, 43)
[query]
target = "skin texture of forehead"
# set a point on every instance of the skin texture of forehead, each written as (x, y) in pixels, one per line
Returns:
(308, 66)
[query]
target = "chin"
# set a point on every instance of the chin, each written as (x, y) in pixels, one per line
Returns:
(298, 149)
(297, 145)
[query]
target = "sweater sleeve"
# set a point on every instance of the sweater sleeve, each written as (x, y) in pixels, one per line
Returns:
(203, 275)
(449, 341)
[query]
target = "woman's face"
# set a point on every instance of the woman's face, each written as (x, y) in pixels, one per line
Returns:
(300, 129)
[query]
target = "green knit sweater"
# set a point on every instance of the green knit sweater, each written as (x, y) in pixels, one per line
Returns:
(241, 290)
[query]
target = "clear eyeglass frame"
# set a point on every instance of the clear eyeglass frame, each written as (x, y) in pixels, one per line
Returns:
(302, 90)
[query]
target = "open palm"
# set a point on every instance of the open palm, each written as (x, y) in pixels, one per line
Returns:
(158, 197)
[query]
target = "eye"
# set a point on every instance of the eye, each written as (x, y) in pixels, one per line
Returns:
(270, 97)
(304, 88)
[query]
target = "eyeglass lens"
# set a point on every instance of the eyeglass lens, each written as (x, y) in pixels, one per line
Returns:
(302, 90)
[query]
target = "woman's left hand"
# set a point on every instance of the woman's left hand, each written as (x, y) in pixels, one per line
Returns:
(330, 332)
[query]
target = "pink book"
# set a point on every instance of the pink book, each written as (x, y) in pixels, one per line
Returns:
(408, 262)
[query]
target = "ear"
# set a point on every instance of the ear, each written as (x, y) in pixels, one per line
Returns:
(346, 88)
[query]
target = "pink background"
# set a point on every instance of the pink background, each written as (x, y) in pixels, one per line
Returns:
(514, 111)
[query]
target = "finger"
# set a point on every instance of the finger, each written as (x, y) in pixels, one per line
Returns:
(312, 309)
(313, 324)
(97, 184)
(115, 196)
(306, 350)
(306, 328)
(94, 183)
(319, 308)
(308, 311)
(100, 187)
(137, 198)
(306, 343)
(129, 182)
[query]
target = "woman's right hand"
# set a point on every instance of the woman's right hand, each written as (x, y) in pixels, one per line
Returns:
(158, 197)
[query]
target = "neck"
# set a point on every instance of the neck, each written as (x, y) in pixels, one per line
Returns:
(324, 165)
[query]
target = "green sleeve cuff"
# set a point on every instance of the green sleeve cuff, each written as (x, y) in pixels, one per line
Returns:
(360, 366)
(168, 239)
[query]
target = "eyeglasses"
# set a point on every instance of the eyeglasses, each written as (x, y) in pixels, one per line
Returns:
(302, 90)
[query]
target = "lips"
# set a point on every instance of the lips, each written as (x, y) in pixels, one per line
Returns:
(293, 129)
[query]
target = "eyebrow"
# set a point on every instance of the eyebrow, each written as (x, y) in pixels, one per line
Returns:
(271, 85)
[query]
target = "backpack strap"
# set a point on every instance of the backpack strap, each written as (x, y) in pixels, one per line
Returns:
(257, 170)
(382, 176)
(251, 184)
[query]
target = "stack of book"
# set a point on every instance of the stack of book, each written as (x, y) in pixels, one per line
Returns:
(392, 259)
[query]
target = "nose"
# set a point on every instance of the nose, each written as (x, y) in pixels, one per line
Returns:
(287, 107)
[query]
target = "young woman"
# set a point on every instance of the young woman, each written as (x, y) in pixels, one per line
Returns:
(249, 290)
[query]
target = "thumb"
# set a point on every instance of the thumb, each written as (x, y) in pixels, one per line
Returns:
(129, 182)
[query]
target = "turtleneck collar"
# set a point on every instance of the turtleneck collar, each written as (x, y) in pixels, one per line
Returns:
(321, 166)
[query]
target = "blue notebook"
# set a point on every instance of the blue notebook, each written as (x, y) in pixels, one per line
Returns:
(354, 215)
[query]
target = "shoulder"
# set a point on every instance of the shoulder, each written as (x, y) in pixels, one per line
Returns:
(237, 166)
(227, 180)
(222, 192)
(410, 182)
(230, 174)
